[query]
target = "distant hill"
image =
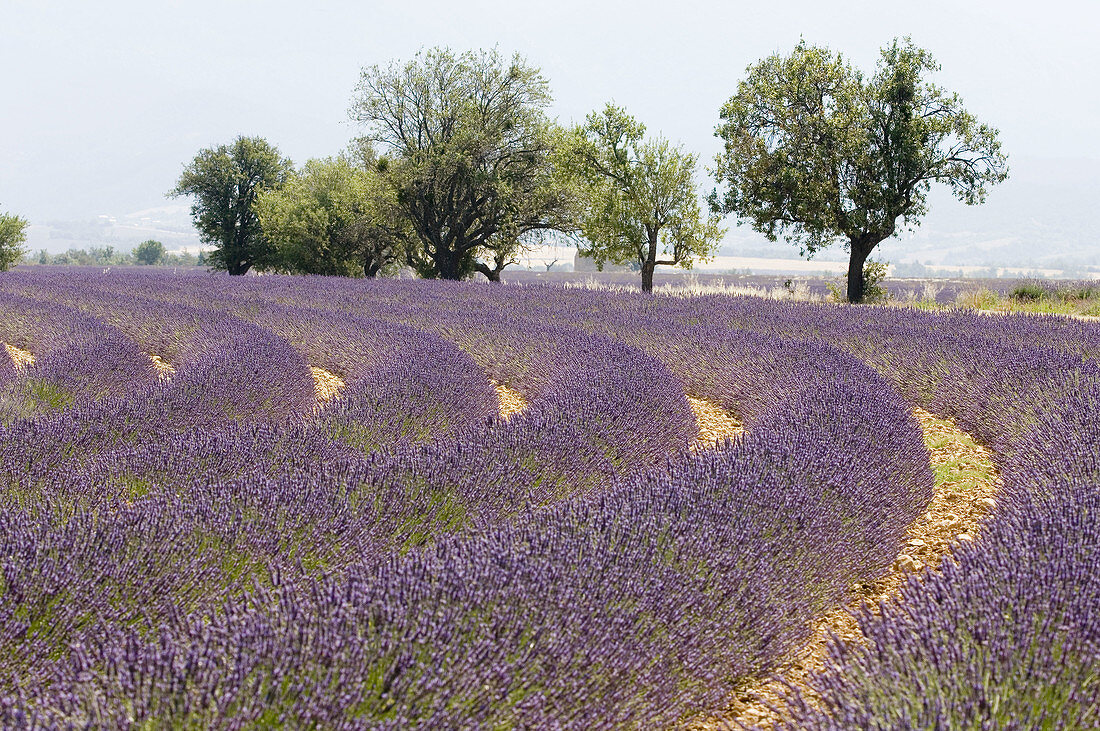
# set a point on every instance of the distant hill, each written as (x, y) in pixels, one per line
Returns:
(170, 225)
(1044, 216)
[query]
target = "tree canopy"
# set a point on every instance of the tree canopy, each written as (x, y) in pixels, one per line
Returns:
(816, 153)
(149, 252)
(639, 196)
(225, 182)
(13, 234)
(333, 217)
(468, 152)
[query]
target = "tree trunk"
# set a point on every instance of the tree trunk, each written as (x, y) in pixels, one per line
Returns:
(238, 268)
(855, 271)
(647, 276)
(448, 263)
(650, 262)
(493, 275)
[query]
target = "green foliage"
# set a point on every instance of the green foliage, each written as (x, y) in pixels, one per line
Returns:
(13, 234)
(224, 182)
(874, 272)
(639, 197)
(468, 155)
(149, 252)
(817, 153)
(1029, 291)
(874, 293)
(333, 217)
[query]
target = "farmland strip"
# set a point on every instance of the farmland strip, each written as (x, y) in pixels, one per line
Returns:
(966, 483)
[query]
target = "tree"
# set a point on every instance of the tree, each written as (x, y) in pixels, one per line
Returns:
(13, 234)
(468, 154)
(640, 196)
(333, 217)
(149, 252)
(818, 154)
(225, 181)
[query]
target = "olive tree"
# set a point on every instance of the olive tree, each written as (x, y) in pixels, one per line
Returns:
(149, 252)
(332, 217)
(225, 182)
(817, 153)
(467, 149)
(640, 202)
(13, 234)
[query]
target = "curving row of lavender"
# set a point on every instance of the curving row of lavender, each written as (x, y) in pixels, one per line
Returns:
(219, 550)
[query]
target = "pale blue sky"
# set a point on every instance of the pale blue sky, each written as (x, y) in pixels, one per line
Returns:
(102, 103)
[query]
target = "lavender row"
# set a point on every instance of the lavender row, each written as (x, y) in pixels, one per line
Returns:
(635, 605)
(243, 371)
(988, 374)
(933, 368)
(76, 359)
(1008, 635)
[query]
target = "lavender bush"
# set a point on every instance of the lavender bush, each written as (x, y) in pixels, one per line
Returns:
(401, 557)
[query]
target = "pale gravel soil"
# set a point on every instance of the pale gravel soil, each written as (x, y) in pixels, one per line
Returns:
(21, 358)
(511, 402)
(715, 423)
(326, 385)
(964, 495)
(164, 370)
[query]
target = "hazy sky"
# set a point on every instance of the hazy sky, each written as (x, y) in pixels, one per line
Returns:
(102, 103)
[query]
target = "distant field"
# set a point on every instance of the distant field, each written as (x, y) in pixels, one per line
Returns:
(318, 502)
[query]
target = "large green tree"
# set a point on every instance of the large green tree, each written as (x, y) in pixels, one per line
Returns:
(13, 234)
(640, 201)
(224, 182)
(149, 252)
(817, 153)
(333, 217)
(468, 151)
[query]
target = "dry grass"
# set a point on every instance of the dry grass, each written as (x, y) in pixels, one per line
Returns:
(164, 370)
(965, 486)
(715, 423)
(326, 385)
(21, 358)
(511, 402)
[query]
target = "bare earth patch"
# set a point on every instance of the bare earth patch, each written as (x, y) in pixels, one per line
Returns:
(511, 402)
(164, 371)
(966, 484)
(715, 423)
(326, 384)
(21, 358)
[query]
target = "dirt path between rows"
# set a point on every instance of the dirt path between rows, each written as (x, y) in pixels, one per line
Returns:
(511, 402)
(21, 358)
(164, 370)
(715, 423)
(965, 489)
(326, 384)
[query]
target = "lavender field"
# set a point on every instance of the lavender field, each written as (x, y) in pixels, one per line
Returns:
(295, 501)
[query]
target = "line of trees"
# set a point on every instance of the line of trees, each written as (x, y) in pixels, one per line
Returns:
(149, 252)
(461, 170)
